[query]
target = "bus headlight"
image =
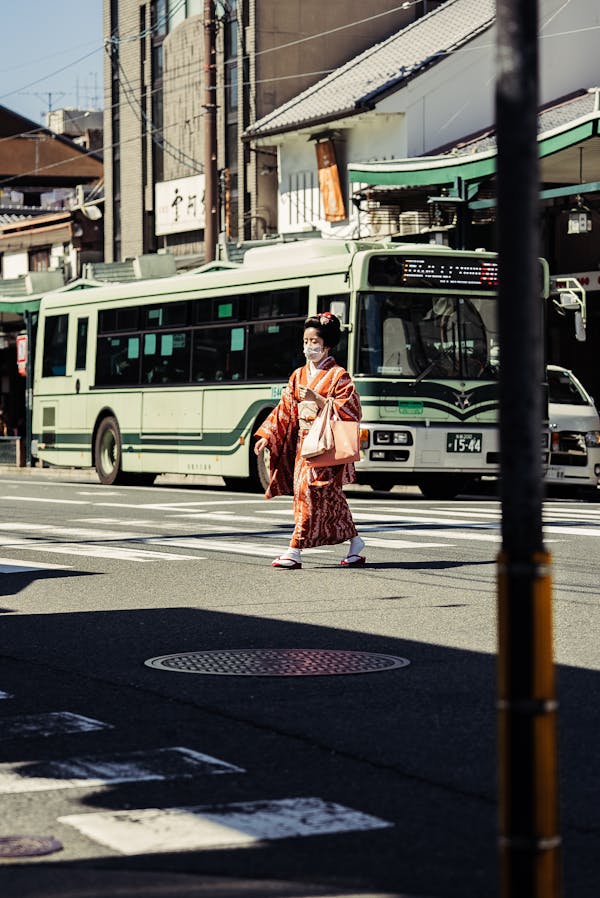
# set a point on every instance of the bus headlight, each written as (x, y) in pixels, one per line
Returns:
(392, 437)
(592, 438)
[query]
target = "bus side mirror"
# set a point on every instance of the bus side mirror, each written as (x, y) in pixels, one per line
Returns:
(579, 327)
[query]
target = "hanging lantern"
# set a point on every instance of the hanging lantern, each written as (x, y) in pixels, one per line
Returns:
(580, 218)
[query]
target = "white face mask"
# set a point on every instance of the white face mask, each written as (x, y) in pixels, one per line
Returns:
(313, 353)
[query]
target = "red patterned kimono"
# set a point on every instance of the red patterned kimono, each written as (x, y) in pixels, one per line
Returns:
(321, 513)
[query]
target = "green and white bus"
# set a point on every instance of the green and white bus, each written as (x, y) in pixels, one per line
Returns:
(174, 375)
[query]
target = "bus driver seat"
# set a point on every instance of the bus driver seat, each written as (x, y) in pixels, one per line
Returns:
(395, 359)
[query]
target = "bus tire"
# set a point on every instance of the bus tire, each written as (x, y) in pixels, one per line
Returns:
(108, 452)
(260, 468)
(444, 486)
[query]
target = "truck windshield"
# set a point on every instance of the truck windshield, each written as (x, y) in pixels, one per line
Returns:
(427, 335)
(564, 389)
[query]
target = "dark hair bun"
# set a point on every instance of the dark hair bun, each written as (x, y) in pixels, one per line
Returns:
(328, 327)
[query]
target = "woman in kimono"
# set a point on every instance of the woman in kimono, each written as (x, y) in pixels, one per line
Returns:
(322, 516)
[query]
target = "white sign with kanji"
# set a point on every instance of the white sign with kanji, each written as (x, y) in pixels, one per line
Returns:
(179, 205)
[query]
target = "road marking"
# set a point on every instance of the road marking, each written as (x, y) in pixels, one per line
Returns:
(52, 723)
(73, 532)
(218, 545)
(18, 566)
(152, 830)
(104, 770)
(39, 499)
(401, 544)
(118, 553)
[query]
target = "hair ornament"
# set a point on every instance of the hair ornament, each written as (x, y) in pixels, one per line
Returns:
(325, 318)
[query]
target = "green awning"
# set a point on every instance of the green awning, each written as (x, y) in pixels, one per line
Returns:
(421, 171)
(19, 306)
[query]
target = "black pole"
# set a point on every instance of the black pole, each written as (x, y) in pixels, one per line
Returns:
(529, 840)
(28, 387)
(211, 186)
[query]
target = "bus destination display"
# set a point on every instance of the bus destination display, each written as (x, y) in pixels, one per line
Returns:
(431, 272)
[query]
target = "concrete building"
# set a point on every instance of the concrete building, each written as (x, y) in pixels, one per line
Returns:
(266, 53)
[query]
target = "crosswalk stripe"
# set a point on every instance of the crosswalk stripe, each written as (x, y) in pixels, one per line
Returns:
(102, 770)
(51, 723)
(118, 553)
(218, 545)
(18, 566)
(49, 530)
(151, 830)
(391, 543)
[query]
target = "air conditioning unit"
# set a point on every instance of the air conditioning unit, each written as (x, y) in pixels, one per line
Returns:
(412, 223)
(381, 223)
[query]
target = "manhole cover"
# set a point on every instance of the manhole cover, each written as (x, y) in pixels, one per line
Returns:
(277, 662)
(28, 846)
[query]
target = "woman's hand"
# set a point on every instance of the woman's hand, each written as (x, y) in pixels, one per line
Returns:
(311, 396)
(260, 445)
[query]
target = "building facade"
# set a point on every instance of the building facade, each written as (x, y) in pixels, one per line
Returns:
(265, 53)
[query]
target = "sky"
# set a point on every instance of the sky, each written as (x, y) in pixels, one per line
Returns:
(52, 56)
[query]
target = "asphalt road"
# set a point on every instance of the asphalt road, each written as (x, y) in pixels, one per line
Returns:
(154, 781)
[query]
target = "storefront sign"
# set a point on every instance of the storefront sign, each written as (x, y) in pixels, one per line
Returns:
(22, 354)
(179, 205)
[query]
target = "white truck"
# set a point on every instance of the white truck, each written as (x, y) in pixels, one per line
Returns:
(574, 432)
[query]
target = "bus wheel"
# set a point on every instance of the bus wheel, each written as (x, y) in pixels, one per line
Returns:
(259, 470)
(444, 486)
(107, 452)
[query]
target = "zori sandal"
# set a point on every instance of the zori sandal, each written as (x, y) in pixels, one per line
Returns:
(286, 563)
(353, 561)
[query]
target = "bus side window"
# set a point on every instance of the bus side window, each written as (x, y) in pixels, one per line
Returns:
(54, 360)
(81, 347)
(333, 303)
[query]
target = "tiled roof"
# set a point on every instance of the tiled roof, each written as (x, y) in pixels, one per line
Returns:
(355, 86)
(558, 115)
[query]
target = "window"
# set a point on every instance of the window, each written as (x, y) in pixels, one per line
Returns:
(173, 314)
(118, 320)
(226, 308)
(271, 345)
(339, 304)
(166, 358)
(54, 361)
(563, 390)
(219, 354)
(425, 335)
(281, 303)
(118, 361)
(81, 346)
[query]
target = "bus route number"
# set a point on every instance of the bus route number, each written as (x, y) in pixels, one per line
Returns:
(464, 442)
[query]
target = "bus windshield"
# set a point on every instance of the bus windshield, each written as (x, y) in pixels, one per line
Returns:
(427, 335)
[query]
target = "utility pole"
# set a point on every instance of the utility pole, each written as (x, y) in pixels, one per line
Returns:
(211, 184)
(529, 840)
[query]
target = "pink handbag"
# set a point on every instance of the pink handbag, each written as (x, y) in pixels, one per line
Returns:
(331, 441)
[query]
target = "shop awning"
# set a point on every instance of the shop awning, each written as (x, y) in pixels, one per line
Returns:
(560, 164)
(19, 306)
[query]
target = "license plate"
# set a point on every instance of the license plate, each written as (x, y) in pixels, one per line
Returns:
(463, 442)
